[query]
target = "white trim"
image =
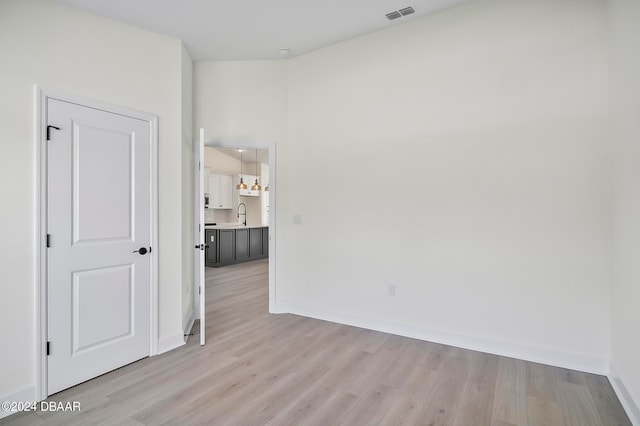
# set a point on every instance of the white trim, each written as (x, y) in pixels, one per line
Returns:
(41, 251)
(547, 356)
(168, 343)
(187, 329)
(42, 95)
(23, 394)
(273, 188)
(198, 223)
(154, 263)
(202, 282)
(629, 405)
(272, 148)
(281, 308)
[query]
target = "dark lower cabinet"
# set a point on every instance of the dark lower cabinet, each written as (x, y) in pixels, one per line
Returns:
(229, 246)
(242, 245)
(226, 247)
(255, 243)
(211, 250)
(265, 242)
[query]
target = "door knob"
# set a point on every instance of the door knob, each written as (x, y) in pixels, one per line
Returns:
(141, 250)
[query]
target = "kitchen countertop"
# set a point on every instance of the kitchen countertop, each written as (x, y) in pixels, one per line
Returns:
(232, 226)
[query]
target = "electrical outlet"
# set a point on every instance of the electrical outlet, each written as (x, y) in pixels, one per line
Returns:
(391, 290)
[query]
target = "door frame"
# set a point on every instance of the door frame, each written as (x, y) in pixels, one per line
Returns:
(42, 95)
(271, 147)
(199, 259)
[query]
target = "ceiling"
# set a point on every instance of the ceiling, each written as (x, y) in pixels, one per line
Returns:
(258, 29)
(248, 154)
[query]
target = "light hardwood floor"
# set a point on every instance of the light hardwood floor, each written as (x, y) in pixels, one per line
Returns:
(261, 369)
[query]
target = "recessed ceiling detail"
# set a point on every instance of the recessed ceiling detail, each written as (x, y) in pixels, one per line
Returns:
(400, 13)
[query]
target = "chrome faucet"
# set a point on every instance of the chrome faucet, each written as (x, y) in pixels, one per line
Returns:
(243, 213)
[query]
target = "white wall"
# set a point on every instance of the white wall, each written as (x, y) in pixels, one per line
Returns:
(188, 284)
(485, 126)
(57, 47)
(240, 102)
(624, 21)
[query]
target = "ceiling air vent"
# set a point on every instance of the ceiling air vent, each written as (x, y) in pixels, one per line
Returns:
(407, 11)
(393, 15)
(400, 13)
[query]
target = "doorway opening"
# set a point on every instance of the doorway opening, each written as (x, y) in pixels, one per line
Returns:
(238, 223)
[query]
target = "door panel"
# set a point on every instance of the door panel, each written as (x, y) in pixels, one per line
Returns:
(95, 293)
(98, 214)
(102, 170)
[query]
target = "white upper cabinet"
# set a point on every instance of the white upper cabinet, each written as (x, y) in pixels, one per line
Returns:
(225, 189)
(220, 191)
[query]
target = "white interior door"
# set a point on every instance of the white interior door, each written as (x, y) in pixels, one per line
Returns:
(99, 230)
(199, 235)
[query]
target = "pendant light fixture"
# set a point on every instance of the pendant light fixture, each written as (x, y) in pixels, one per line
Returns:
(241, 185)
(256, 186)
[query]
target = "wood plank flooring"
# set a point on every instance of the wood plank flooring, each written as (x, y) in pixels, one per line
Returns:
(261, 369)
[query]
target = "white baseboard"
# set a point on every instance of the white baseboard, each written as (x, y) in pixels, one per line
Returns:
(187, 329)
(280, 308)
(23, 394)
(630, 406)
(168, 343)
(572, 361)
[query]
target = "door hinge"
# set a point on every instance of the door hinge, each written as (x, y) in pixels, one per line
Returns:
(199, 290)
(48, 348)
(48, 240)
(49, 127)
